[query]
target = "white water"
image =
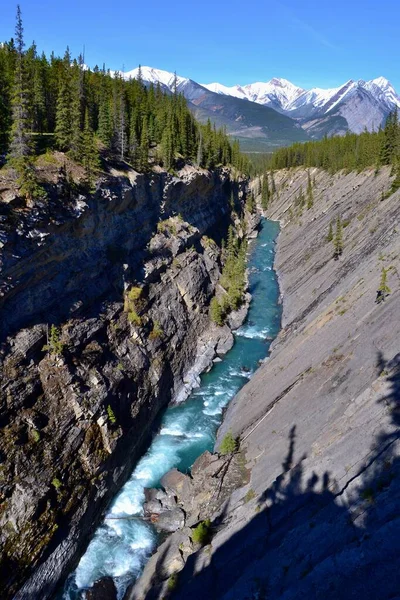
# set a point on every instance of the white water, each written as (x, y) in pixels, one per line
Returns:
(121, 546)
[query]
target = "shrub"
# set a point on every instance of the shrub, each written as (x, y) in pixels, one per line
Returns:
(229, 444)
(172, 582)
(250, 495)
(56, 483)
(111, 415)
(135, 293)
(134, 318)
(201, 533)
(156, 332)
(35, 435)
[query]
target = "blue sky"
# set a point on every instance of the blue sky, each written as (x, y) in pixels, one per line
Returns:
(310, 42)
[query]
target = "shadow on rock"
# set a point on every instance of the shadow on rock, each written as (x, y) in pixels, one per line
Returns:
(307, 538)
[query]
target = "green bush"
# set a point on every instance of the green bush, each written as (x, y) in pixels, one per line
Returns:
(35, 435)
(201, 533)
(135, 293)
(134, 318)
(111, 415)
(229, 444)
(56, 483)
(156, 332)
(172, 582)
(217, 313)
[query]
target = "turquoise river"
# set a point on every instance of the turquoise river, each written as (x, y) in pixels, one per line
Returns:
(121, 547)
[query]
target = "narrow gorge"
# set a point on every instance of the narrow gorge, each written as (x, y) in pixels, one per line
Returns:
(318, 423)
(105, 320)
(307, 501)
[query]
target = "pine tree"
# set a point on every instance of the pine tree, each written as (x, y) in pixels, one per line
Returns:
(338, 239)
(251, 203)
(383, 290)
(329, 237)
(90, 155)
(77, 110)
(105, 124)
(265, 192)
(310, 195)
(20, 146)
(63, 129)
(144, 147)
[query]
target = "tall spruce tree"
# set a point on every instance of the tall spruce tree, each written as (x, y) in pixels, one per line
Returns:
(21, 145)
(90, 155)
(63, 129)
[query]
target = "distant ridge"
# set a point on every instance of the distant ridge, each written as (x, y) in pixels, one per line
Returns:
(275, 113)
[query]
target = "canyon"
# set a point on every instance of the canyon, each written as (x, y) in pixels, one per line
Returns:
(317, 423)
(126, 276)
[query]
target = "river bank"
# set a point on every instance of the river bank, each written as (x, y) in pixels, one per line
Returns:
(319, 420)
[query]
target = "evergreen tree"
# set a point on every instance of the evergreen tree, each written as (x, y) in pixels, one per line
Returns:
(265, 192)
(63, 129)
(390, 146)
(105, 124)
(310, 195)
(20, 146)
(383, 289)
(338, 239)
(329, 237)
(144, 146)
(90, 155)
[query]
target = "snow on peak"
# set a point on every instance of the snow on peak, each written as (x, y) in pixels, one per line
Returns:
(279, 92)
(381, 82)
(155, 76)
(218, 88)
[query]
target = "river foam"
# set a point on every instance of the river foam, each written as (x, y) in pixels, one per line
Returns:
(124, 542)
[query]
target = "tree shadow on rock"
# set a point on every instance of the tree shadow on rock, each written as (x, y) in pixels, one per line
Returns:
(303, 537)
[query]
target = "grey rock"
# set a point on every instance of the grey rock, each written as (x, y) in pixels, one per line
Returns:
(170, 520)
(103, 589)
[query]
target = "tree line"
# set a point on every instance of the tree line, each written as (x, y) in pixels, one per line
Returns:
(352, 152)
(58, 102)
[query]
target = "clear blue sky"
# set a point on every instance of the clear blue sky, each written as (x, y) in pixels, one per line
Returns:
(310, 42)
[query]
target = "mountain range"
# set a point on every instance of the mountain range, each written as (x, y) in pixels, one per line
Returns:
(275, 113)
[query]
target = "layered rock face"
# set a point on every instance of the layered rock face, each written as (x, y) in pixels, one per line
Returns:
(126, 275)
(319, 421)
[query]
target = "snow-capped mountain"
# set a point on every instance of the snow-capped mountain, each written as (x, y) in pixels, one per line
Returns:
(290, 97)
(353, 106)
(277, 91)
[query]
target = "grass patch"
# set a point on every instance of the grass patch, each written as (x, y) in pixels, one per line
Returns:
(250, 495)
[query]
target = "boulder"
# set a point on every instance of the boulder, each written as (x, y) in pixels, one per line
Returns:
(103, 589)
(170, 520)
(179, 484)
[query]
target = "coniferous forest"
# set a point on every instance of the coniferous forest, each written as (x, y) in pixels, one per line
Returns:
(350, 152)
(54, 103)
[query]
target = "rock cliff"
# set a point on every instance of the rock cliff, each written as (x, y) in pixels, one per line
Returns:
(126, 276)
(319, 421)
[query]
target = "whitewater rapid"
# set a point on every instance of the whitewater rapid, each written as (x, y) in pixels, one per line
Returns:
(124, 542)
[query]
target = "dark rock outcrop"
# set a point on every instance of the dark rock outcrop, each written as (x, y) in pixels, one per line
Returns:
(127, 275)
